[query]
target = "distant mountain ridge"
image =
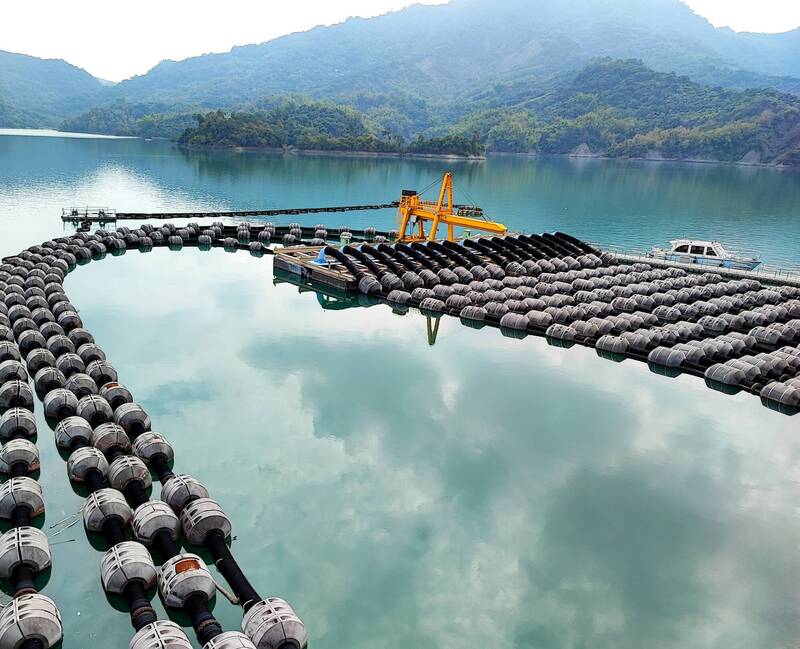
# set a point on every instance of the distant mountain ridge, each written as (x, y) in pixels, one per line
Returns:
(440, 50)
(435, 55)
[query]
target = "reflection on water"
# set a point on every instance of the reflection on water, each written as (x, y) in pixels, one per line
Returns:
(483, 492)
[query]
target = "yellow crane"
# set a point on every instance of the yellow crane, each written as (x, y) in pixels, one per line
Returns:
(414, 212)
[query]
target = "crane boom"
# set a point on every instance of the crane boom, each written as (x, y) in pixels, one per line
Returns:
(414, 212)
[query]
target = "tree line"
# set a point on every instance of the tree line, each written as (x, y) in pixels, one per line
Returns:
(611, 108)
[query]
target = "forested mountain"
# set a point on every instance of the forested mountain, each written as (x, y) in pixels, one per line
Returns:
(623, 108)
(41, 92)
(612, 108)
(497, 73)
(445, 50)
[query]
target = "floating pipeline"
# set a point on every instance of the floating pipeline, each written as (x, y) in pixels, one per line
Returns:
(111, 453)
(737, 334)
(31, 620)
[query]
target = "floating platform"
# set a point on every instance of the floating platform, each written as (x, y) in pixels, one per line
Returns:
(301, 262)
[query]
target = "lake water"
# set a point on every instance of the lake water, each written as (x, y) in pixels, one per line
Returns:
(480, 492)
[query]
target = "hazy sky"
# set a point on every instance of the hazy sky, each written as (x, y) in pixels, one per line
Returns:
(115, 41)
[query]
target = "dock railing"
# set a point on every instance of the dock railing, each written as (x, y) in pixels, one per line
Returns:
(92, 213)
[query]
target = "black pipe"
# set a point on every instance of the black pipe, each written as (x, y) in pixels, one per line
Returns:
(456, 256)
(32, 643)
(205, 624)
(399, 256)
(23, 580)
(557, 244)
(485, 250)
(360, 256)
(160, 464)
(385, 259)
(521, 248)
(227, 565)
(113, 531)
(21, 516)
(135, 492)
(474, 259)
(113, 453)
(166, 545)
(94, 480)
(141, 612)
(417, 256)
(567, 245)
(345, 261)
(18, 469)
(577, 242)
(541, 243)
(442, 260)
(506, 251)
(137, 428)
(528, 248)
(513, 248)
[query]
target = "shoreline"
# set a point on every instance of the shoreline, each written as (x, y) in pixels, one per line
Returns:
(484, 158)
(400, 154)
(333, 152)
(598, 156)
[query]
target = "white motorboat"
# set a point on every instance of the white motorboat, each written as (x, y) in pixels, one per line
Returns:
(704, 253)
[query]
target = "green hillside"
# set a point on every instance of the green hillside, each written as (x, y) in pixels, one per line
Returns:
(43, 91)
(438, 52)
(610, 107)
(623, 108)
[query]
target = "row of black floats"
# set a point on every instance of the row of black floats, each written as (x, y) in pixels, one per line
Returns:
(111, 451)
(31, 620)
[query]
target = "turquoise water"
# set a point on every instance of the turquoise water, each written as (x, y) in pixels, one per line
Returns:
(480, 492)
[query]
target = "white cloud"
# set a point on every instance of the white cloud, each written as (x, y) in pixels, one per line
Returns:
(748, 15)
(115, 44)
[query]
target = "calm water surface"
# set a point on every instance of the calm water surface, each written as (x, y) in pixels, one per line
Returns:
(481, 492)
